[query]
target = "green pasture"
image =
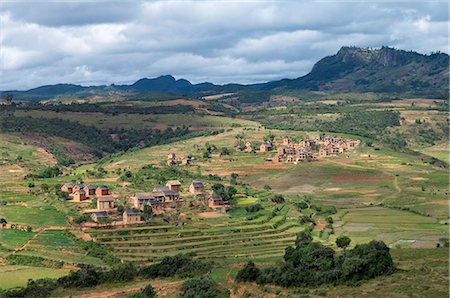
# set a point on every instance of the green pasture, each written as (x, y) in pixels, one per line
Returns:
(36, 217)
(17, 276)
(11, 238)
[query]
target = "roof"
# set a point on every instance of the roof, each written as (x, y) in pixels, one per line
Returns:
(197, 184)
(132, 211)
(103, 187)
(91, 186)
(173, 182)
(162, 191)
(80, 191)
(266, 144)
(143, 195)
(105, 199)
(161, 188)
(216, 198)
(80, 185)
(100, 214)
(69, 184)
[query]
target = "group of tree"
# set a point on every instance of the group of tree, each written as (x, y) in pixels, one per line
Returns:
(311, 264)
(226, 193)
(108, 108)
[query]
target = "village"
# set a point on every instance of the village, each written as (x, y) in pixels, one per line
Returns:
(168, 198)
(161, 200)
(305, 150)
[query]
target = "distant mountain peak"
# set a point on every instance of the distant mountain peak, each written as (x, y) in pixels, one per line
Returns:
(351, 69)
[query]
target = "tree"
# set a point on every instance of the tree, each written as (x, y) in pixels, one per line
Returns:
(234, 177)
(45, 187)
(267, 187)
(147, 212)
(343, 242)
(199, 287)
(249, 273)
(225, 151)
(148, 292)
(303, 238)
(269, 137)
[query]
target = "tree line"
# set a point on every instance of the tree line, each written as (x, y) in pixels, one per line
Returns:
(108, 108)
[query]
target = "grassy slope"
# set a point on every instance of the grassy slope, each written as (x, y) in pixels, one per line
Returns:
(17, 276)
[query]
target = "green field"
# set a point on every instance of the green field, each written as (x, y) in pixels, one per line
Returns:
(18, 276)
(128, 121)
(39, 216)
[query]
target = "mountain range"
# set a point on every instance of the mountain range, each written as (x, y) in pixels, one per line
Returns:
(351, 69)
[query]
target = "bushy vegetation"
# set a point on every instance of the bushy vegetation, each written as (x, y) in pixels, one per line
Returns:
(181, 265)
(147, 292)
(48, 172)
(312, 264)
(108, 108)
(253, 208)
(226, 193)
(98, 140)
(203, 287)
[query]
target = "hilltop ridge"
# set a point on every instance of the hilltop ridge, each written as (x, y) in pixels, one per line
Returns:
(351, 69)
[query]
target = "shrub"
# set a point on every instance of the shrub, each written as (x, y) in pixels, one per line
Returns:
(249, 273)
(279, 199)
(182, 265)
(202, 287)
(254, 208)
(303, 238)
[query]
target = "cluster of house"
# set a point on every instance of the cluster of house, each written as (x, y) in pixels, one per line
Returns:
(168, 196)
(305, 150)
(172, 160)
(162, 197)
(80, 192)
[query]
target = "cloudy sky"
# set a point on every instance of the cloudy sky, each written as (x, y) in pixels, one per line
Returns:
(104, 42)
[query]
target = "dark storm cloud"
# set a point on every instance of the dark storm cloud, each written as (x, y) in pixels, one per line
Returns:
(102, 42)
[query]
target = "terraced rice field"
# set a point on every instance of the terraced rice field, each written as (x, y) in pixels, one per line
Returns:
(264, 238)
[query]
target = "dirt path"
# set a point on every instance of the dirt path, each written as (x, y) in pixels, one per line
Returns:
(23, 247)
(108, 294)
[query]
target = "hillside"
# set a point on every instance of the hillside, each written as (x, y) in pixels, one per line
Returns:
(352, 69)
(375, 70)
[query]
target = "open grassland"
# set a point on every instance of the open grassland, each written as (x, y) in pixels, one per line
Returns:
(14, 150)
(17, 276)
(137, 121)
(37, 217)
(440, 151)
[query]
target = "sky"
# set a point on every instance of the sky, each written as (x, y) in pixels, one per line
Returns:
(105, 42)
